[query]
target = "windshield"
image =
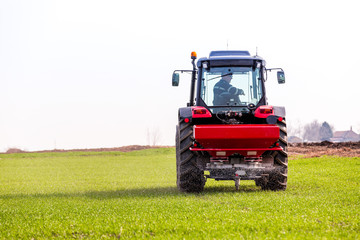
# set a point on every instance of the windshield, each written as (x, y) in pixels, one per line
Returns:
(231, 86)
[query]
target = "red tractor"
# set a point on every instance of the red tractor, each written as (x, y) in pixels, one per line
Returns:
(228, 131)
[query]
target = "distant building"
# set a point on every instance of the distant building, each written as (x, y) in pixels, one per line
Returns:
(345, 136)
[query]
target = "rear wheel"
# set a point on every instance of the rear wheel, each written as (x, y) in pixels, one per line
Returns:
(190, 178)
(277, 179)
(261, 182)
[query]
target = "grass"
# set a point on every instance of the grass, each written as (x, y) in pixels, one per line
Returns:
(110, 195)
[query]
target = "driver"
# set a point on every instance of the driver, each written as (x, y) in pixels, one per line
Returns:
(224, 92)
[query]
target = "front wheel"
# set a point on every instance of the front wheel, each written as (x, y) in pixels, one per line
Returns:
(190, 178)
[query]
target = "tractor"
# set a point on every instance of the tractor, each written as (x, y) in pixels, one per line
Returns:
(228, 131)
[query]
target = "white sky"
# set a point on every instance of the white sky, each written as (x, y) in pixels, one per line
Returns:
(86, 74)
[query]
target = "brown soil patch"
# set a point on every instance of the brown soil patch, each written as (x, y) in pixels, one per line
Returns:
(343, 149)
(115, 149)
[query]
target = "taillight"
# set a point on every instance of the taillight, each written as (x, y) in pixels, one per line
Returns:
(200, 112)
(264, 111)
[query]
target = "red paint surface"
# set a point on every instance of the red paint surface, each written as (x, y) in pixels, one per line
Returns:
(236, 138)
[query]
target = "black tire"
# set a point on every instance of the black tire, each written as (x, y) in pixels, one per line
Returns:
(278, 177)
(190, 178)
(261, 182)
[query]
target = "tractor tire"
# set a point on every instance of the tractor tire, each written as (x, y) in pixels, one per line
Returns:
(190, 178)
(278, 177)
(261, 182)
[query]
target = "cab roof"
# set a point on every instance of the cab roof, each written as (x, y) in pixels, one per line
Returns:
(225, 55)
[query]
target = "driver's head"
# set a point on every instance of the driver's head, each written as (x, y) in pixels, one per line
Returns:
(227, 76)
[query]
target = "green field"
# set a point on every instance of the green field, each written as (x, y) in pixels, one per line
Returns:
(110, 195)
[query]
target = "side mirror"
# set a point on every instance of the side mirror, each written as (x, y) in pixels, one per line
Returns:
(175, 79)
(281, 77)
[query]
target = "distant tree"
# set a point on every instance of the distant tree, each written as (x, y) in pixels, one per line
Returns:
(325, 132)
(295, 128)
(153, 136)
(311, 131)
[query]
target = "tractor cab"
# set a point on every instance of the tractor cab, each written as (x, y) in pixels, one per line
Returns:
(230, 79)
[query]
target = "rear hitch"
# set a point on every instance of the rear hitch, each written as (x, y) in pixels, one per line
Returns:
(237, 182)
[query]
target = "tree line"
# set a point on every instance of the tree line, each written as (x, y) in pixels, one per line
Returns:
(312, 132)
